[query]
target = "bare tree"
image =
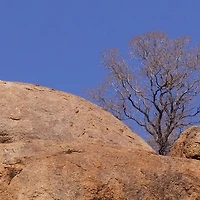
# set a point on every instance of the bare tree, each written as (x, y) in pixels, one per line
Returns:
(156, 85)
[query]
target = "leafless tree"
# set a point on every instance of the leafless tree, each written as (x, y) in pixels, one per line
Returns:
(156, 85)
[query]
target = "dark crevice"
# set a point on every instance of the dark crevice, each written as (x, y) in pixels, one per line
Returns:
(70, 151)
(131, 137)
(4, 137)
(196, 157)
(12, 172)
(15, 118)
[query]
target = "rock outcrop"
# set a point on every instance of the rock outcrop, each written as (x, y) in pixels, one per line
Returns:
(30, 112)
(54, 145)
(188, 145)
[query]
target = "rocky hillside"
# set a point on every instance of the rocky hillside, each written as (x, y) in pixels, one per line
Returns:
(57, 146)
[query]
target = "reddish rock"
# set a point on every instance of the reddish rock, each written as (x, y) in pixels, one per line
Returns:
(188, 145)
(30, 112)
(57, 146)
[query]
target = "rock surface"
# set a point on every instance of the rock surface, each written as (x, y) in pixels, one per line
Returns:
(30, 112)
(56, 146)
(188, 145)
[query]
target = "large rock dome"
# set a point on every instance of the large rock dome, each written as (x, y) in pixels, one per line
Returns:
(30, 112)
(57, 146)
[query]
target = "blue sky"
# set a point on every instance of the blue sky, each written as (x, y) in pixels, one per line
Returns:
(57, 43)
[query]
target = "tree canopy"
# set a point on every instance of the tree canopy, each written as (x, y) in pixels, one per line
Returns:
(156, 85)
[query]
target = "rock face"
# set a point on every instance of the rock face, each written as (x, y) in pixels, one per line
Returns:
(56, 146)
(188, 145)
(30, 112)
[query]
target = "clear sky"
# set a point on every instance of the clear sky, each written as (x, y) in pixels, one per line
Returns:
(57, 43)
